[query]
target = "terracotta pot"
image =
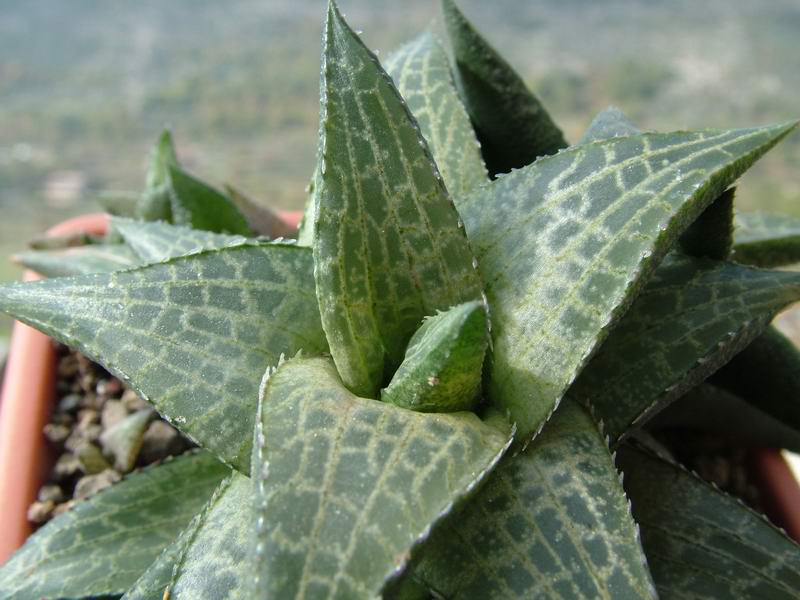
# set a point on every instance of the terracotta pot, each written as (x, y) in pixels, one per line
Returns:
(27, 395)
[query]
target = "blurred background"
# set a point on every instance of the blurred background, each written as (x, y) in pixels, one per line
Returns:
(87, 85)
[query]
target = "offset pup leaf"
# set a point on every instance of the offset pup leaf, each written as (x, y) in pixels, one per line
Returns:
(155, 203)
(571, 239)
(93, 258)
(709, 408)
(347, 486)
(690, 319)
(512, 125)
(388, 248)
(711, 235)
(421, 71)
(192, 335)
(442, 368)
(198, 205)
(766, 374)
(766, 240)
(551, 522)
(156, 241)
(702, 544)
(102, 545)
(609, 123)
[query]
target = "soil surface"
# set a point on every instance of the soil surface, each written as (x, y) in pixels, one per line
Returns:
(99, 431)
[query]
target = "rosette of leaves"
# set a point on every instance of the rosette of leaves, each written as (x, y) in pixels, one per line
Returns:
(407, 403)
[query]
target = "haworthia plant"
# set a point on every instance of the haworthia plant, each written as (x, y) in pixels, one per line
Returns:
(702, 544)
(104, 544)
(388, 245)
(92, 258)
(418, 396)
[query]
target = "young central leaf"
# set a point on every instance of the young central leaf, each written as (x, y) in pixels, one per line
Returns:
(442, 368)
(388, 248)
(155, 204)
(346, 487)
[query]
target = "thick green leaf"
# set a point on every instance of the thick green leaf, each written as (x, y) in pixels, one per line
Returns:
(388, 245)
(105, 543)
(767, 375)
(702, 544)
(609, 123)
(157, 241)
(512, 125)
(198, 205)
(708, 408)
(156, 579)
(571, 239)
(711, 235)
(766, 240)
(442, 368)
(691, 318)
(121, 204)
(550, 522)
(421, 71)
(93, 258)
(155, 203)
(347, 486)
(213, 562)
(260, 218)
(192, 335)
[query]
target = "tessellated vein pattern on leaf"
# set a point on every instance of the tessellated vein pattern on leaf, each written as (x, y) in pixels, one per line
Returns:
(596, 220)
(388, 248)
(192, 335)
(101, 546)
(550, 522)
(347, 486)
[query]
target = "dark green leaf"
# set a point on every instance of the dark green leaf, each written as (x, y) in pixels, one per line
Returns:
(196, 204)
(421, 71)
(156, 579)
(93, 258)
(155, 203)
(192, 335)
(571, 239)
(711, 235)
(155, 242)
(707, 408)
(347, 486)
(105, 543)
(702, 544)
(260, 218)
(609, 123)
(442, 368)
(550, 522)
(512, 125)
(388, 248)
(766, 240)
(691, 318)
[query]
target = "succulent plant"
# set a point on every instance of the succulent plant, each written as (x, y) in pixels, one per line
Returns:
(424, 396)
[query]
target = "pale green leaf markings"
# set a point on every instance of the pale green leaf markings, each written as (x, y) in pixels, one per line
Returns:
(512, 125)
(154, 203)
(596, 220)
(80, 260)
(157, 241)
(701, 544)
(347, 486)
(765, 239)
(213, 559)
(388, 247)
(690, 319)
(441, 371)
(711, 235)
(609, 123)
(421, 71)
(708, 408)
(102, 545)
(550, 522)
(197, 205)
(192, 335)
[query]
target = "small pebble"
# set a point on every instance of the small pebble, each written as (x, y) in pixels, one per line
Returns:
(91, 458)
(66, 466)
(52, 492)
(109, 387)
(69, 403)
(39, 511)
(91, 484)
(132, 401)
(160, 441)
(56, 434)
(124, 440)
(113, 412)
(63, 507)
